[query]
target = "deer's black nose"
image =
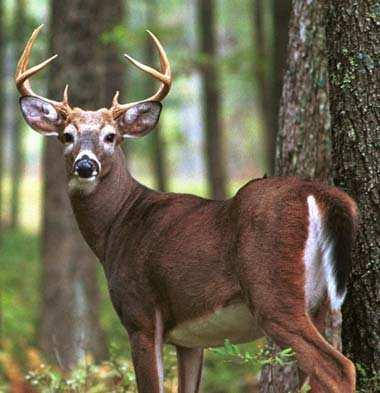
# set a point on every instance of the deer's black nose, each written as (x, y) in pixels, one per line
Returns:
(86, 168)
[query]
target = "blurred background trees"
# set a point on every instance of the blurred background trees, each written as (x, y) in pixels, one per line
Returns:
(70, 294)
(220, 127)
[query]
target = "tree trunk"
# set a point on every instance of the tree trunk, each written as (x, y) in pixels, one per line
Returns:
(2, 105)
(114, 65)
(215, 160)
(18, 154)
(353, 40)
(70, 310)
(303, 147)
(157, 142)
(269, 65)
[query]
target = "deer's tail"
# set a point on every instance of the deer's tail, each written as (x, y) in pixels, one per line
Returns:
(331, 233)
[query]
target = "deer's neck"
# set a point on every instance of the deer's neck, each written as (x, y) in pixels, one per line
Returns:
(97, 211)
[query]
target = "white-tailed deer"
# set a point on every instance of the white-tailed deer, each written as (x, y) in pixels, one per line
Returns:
(193, 272)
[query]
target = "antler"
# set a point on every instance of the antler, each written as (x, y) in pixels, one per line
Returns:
(164, 77)
(23, 74)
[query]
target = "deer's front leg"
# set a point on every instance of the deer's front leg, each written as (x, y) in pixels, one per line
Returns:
(147, 361)
(190, 362)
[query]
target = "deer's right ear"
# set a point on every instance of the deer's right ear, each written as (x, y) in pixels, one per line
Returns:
(41, 115)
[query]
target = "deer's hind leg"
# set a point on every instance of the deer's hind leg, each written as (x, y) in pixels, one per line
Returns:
(274, 290)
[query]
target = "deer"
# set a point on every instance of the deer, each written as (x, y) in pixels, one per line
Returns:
(192, 272)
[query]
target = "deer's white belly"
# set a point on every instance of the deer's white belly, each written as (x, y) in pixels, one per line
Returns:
(234, 322)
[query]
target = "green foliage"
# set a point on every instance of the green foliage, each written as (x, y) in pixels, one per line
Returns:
(255, 360)
(115, 375)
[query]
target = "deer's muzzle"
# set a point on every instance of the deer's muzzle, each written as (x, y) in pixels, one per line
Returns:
(86, 168)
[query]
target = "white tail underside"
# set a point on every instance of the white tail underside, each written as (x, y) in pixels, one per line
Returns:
(319, 265)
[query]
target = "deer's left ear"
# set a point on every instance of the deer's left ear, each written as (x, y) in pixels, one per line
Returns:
(140, 119)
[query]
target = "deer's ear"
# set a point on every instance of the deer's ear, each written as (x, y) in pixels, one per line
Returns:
(41, 115)
(140, 119)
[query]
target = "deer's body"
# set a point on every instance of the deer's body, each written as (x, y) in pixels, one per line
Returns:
(193, 272)
(201, 271)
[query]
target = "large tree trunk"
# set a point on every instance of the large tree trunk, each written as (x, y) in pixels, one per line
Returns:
(215, 160)
(18, 154)
(269, 65)
(304, 134)
(353, 40)
(114, 66)
(70, 311)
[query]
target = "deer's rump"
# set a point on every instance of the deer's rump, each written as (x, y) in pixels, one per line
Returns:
(323, 219)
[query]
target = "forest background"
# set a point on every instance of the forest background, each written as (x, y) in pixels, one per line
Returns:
(250, 98)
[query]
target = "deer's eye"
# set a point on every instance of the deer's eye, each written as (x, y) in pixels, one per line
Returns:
(68, 138)
(109, 138)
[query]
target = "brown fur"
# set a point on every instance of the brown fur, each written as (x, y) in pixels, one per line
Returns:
(188, 256)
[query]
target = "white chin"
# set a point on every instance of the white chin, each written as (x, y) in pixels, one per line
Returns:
(86, 179)
(85, 185)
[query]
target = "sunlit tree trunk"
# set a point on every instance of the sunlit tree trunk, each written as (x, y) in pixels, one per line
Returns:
(353, 49)
(2, 105)
(2, 56)
(18, 154)
(70, 299)
(269, 64)
(211, 103)
(303, 142)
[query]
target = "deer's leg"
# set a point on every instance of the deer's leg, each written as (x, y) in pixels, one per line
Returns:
(190, 362)
(277, 297)
(329, 370)
(318, 318)
(147, 362)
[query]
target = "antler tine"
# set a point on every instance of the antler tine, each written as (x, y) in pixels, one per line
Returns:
(164, 77)
(23, 73)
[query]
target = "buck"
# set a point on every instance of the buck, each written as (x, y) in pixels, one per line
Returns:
(192, 272)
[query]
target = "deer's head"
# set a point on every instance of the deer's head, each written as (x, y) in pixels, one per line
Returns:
(90, 137)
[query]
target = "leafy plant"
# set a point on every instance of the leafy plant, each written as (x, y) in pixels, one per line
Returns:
(261, 358)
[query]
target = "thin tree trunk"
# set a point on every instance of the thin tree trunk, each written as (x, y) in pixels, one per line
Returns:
(215, 160)
(353, 40)
(70, 298)
(269, 65)
(2, 106)
(157, 142)
(18, 154)
(303, 147)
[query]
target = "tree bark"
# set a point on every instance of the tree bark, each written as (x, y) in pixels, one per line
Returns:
(18, 154)
(70, 299)
(215, 160)
(353, 40)
(303, 143)
(269, 65)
